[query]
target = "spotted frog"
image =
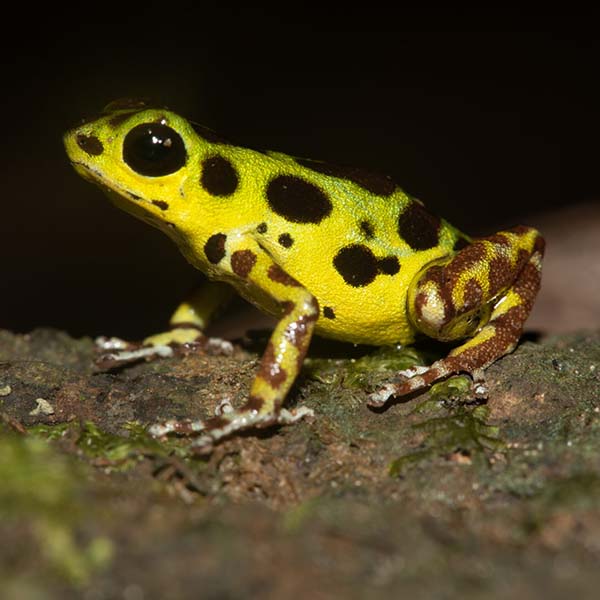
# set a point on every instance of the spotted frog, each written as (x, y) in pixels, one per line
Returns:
(337, 251)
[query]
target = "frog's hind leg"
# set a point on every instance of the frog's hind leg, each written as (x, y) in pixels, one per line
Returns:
(485, 291)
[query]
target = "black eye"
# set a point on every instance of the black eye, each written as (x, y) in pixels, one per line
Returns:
(153, 149)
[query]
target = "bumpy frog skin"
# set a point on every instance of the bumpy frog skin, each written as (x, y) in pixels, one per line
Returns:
(337, 251)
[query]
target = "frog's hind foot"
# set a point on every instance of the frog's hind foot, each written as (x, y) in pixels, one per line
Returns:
(419, 378)
(208, 432)
(411, 380)
(509, 296)
(115, 352)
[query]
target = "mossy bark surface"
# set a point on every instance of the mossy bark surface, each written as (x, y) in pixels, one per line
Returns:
(437, 495)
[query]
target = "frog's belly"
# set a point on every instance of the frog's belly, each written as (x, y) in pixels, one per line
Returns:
(373, 310)
(363, 297)
(376, 314)
(358, 328)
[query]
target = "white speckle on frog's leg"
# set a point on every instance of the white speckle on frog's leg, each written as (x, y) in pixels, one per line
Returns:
(175, 426)
(129, 355)
(416, 370)
(413, 381)
(381, 396)
(286, 417)
(480, 390)
(479, 386)
(112, 343)
(163, 351)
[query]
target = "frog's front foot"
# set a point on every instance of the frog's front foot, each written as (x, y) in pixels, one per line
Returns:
(227, 421)
(418, 378)
(115, 352)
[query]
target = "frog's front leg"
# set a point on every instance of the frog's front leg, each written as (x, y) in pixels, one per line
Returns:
(484, 293)
(185, 333)
(281, 360)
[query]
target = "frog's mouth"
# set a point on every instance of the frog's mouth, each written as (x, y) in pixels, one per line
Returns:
(86, 171)
(119, 196)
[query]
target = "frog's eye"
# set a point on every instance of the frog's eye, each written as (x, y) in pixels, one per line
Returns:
(154, 150)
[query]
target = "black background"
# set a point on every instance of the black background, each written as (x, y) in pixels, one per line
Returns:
(489, 128)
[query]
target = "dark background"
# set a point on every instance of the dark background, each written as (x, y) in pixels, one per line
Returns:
(489, 128)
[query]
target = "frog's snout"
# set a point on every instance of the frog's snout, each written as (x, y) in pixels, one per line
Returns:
(90, 144)
(76, 141)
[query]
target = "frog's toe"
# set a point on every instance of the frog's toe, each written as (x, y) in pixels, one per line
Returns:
(109, 344)
(382, 395)
(479, 387)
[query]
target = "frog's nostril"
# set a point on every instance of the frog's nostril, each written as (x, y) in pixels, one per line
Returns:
(90, 144)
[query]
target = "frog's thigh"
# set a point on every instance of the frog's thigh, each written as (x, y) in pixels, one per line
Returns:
(282, 358)
(502, 272)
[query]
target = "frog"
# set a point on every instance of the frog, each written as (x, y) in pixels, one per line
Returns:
(335, 251)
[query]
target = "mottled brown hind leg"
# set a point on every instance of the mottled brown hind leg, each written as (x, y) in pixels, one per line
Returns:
(501, 274)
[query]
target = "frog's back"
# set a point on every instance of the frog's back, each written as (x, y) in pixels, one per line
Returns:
(352, 237)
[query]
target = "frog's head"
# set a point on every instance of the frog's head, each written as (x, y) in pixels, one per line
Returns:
(141, 157)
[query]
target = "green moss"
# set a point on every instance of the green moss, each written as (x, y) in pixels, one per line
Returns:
(446, 393)
(464, 430)
(50, 432)
(362, 371)
(34, 477)
(122, 453)
(42, 490)
(453, 388)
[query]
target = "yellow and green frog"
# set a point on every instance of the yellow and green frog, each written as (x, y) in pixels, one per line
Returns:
(337, 251)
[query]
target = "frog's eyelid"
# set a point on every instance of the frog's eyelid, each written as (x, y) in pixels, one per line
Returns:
(208, 134)
(133, 104)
